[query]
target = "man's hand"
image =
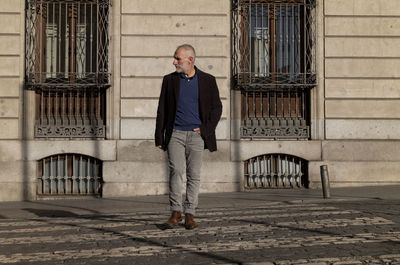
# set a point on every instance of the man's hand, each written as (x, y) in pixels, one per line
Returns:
(159, 146)
(197, 130)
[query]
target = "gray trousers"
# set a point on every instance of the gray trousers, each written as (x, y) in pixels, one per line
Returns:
(185, 151)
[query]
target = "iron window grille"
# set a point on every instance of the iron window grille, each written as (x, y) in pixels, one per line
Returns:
(274, 66)
(275, 171)
(70, 113)
(66, 63)
(69, 174)
(67, 43)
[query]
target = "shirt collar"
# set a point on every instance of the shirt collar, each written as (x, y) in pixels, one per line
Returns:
(190, 78)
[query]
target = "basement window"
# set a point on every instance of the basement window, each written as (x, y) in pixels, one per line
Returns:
(69, 174)
(275, 171)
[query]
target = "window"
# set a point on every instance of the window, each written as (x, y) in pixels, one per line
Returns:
(275, 171)
(71, 174)
(67, 65)
(274, 66)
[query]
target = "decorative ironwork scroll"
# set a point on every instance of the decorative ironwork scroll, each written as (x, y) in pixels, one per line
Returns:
(69, 131)
(275, 132)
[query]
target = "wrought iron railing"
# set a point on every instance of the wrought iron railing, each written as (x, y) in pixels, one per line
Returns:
(276, 114)
(70, 113)
(275, 171)
(69, 174)
(67, 43)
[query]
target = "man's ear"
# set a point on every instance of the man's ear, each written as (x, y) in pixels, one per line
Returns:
(191, 59)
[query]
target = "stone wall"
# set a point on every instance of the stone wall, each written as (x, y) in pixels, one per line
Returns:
(11, 67)
(12, 168)
(150, 33)
(362, 88)
(362, 70)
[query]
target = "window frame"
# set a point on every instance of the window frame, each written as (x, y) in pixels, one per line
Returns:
(67, 17)
(280, 84)
(69, 80)
(243, 75)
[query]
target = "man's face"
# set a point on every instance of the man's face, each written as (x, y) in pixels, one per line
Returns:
(181, 61)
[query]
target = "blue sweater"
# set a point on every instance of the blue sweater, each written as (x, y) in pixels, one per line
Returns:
(187, 115)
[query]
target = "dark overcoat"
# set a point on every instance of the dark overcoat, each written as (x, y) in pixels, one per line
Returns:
(210, 109)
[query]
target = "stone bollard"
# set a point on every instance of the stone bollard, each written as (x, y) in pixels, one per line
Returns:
(325, 182)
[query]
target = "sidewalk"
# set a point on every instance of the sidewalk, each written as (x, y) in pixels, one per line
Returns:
(259, 227)
(96, 206)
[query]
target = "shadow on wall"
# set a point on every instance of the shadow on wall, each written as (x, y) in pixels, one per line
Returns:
(65, 96)
(42, 176)
(26, 178)
(235, 134)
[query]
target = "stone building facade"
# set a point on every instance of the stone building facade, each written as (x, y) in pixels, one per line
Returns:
(352, 103)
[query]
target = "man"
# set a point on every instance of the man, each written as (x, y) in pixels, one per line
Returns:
(188, 112)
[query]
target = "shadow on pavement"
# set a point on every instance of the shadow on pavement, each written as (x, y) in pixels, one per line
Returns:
(50, 213)
(58, 204)
(291, 227)
(61, 213)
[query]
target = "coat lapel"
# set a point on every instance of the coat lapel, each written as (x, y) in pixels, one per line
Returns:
(200, 81)
(176, 85)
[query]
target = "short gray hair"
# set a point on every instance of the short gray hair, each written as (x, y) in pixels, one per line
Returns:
(187, 47)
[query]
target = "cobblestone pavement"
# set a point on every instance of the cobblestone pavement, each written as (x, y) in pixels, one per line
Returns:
(287, 232)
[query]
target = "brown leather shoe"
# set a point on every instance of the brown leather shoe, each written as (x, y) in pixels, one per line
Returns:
(174, 220)
(189, 221)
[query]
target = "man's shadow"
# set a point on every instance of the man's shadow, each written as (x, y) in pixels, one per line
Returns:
(165, 226)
